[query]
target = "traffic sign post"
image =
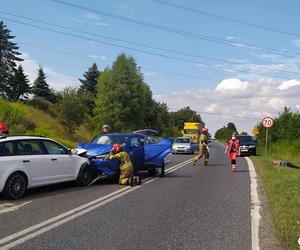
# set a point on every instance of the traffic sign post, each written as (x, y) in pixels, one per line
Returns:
(267, 122)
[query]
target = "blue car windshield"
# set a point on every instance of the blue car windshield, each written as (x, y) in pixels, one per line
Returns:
(110, 139)
(246, 139)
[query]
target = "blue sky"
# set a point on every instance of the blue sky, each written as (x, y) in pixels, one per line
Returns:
(229, 82)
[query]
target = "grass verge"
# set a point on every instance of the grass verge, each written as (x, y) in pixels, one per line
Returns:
(282, 187)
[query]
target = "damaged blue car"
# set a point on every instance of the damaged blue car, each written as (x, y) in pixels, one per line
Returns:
(145, 152)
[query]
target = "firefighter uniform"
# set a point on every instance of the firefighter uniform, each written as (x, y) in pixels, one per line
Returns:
(126, 167)
(203, 150)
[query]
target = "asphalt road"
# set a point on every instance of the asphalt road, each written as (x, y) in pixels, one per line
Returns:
(190, 208)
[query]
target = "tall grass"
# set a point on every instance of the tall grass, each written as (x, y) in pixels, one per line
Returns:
(282, 187)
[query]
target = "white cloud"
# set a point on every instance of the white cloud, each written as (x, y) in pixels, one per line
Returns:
(231, 85)
(229, 37)
(102, 24)
(102, 58)
(296, 43)
(211, 108)
(276, 103)
(56, 80)
(91, 16)
(289, 84)
(232, 100)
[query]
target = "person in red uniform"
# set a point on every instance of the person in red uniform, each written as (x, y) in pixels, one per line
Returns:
(233, 151)
(3, 129)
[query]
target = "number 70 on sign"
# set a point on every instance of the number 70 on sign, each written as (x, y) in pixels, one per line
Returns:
(268, 122)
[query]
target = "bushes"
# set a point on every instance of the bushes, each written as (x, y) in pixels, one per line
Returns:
(71, 111)
(42, 104)
(24, 119)
(11, 115)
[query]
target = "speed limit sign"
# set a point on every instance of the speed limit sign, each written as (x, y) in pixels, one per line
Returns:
(268, 122)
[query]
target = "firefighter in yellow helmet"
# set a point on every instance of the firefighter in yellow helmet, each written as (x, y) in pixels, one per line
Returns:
(203, 148)
(126, 167)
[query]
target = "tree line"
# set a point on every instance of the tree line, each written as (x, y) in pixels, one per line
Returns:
(117, 96)
(286, 128)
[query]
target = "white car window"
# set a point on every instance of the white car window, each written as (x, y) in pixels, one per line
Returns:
(29, 147)
(54, 148)
(6, 148)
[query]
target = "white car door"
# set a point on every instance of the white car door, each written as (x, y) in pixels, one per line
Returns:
(63, 164)
(31, 155)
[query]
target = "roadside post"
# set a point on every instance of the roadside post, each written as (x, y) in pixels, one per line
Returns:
(267, 122)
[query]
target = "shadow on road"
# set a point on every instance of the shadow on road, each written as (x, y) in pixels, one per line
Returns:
(242, 171)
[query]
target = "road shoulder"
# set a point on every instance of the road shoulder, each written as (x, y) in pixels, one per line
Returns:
(268, 238)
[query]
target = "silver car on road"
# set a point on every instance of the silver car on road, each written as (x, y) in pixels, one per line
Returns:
(183, 145)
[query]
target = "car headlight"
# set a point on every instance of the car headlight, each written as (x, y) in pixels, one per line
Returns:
(188, 147)
(252, 146)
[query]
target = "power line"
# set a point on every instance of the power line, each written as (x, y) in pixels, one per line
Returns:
(149, 68)
(227, 18)
(52, 49)
(145, 67)
(174, 30)
(141, 44)
(126, 47)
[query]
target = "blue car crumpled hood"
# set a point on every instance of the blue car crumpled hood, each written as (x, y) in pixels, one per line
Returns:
(94, 149)
(107, 167)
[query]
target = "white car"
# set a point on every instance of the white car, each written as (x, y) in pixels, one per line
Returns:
(33, 161)
(183, 145)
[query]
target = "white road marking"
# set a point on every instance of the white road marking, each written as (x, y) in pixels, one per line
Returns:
(255, 206)
(61, 219)
(9, 207)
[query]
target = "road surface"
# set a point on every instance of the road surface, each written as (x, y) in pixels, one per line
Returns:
(191, 208)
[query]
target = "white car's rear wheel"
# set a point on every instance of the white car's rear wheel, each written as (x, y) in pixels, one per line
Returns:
(15, 186)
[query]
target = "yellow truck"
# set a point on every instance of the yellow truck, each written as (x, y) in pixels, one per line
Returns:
(192, 129)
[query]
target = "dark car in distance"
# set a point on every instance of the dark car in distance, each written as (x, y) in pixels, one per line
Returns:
(247, 145)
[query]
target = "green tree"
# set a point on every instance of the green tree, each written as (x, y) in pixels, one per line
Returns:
(9, 55)
(225, 132)
(185, 115)
(41, 88)
(120, 99)
(18, 85)
(287, 128)
(88, 88)
(71, 112)
(89, 82)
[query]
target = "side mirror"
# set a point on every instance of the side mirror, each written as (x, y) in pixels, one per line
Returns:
(69, 151)
(74, 151)
(135, 146)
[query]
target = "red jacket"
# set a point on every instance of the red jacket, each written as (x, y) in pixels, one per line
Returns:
(236, 144)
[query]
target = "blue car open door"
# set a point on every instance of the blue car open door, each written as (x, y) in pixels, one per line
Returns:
(136, 152)
(155, 153)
